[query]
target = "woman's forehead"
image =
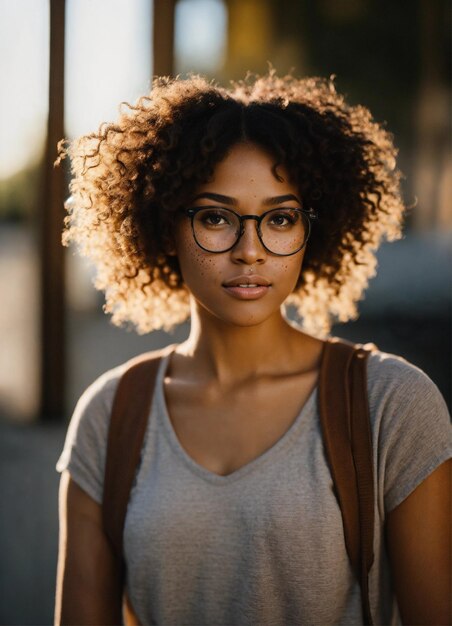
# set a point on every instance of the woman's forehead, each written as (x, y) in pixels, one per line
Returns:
(248, 167)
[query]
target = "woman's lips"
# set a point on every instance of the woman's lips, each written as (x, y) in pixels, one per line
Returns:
(247, 287)
(248, 293)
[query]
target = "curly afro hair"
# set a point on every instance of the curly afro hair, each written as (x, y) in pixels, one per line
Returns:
(131, 177)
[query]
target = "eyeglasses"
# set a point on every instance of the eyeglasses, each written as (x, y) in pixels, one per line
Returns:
(282, 231)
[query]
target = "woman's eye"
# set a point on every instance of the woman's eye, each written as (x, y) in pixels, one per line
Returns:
(279, 220)
(213, 218)
(284, 219)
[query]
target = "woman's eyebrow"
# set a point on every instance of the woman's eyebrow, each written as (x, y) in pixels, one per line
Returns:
(217, 197)
(233, 202)
(281, 199)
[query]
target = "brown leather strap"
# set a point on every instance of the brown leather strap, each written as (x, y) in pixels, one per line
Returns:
(344, 417)
(128, 421)
(334, 410)
(362, 453)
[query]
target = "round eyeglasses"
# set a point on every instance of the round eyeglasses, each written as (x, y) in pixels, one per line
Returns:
(282, 231)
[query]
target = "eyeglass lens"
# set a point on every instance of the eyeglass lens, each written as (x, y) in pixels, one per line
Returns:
(283, 231)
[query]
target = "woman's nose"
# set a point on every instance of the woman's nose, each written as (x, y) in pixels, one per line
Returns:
(249, 248)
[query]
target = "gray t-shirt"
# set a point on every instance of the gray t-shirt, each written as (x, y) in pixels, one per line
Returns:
(263, 545)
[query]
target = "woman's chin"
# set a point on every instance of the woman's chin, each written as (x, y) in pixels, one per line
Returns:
(240, 317)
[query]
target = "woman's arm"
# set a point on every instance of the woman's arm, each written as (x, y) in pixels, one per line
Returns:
(88, 577)
(419, 541)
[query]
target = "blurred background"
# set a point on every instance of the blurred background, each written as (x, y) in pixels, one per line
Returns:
(65, 65)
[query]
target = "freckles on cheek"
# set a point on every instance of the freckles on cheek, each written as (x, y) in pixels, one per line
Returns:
(194, 262)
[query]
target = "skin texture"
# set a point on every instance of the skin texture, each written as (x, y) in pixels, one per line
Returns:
(245, 176)
(88, 582)
(240, 350)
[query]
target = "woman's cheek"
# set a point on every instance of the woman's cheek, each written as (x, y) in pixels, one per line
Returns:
(195, 264)
(291, 270)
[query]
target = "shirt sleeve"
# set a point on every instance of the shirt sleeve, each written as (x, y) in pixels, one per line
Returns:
(85, 446)
(412, 427)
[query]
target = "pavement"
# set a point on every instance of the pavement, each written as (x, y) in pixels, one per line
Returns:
(28, 522)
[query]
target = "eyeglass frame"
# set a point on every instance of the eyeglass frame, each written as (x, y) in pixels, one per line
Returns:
(191, 213)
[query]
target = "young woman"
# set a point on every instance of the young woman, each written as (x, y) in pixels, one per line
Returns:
(225, 206)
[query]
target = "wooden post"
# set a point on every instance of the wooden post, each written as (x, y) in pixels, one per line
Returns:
(53, 340)
(163, 37)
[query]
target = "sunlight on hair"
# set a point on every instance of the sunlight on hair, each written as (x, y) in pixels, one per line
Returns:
(131, 177)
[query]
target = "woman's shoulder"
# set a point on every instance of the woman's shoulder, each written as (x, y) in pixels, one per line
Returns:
(403, 397)
(94, 406)
(85, 446)
(411, 425)
(102, 390)
(89, 422)
(393, 375)
(390, 375)
(389, 367)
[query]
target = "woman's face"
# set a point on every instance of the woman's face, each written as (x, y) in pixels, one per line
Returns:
(243, 182)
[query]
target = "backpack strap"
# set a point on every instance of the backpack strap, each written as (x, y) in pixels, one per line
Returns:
(128, 421)
(347, 437)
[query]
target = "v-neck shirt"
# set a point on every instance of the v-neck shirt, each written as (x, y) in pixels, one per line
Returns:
(262, 545)
(166, 424)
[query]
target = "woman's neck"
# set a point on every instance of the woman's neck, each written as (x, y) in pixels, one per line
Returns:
(227, 353)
